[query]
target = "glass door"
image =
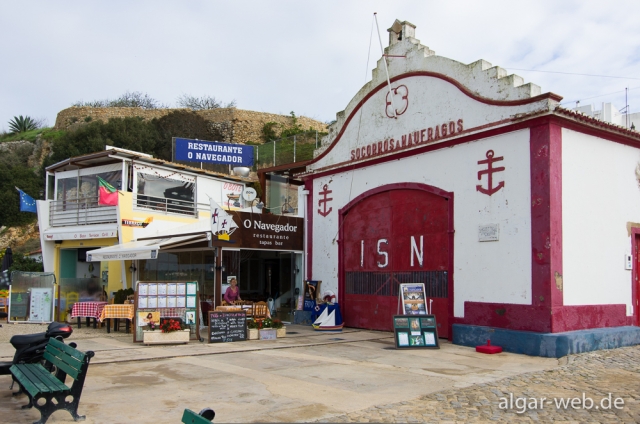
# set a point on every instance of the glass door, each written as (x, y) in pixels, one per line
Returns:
(290, 285)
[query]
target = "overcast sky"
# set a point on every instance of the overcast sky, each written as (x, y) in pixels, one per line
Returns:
(304, 56)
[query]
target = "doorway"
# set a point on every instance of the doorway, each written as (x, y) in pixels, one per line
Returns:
(269, 276)
(392, 236)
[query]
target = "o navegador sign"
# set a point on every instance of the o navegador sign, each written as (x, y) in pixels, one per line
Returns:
(266, 231)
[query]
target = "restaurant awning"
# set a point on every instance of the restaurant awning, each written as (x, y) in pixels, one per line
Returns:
(147, 249)
(201, 228)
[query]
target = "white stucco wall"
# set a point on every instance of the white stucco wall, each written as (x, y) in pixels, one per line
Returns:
(431, 102)
(600, 195)
(497, 271)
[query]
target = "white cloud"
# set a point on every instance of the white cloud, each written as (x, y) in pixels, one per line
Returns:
(309, 57)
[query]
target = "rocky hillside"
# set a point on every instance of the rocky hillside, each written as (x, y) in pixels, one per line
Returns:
(22, 239)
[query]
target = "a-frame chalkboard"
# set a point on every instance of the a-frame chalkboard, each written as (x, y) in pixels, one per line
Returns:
(227, 326)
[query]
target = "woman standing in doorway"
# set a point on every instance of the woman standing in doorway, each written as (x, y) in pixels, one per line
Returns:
(233, 292)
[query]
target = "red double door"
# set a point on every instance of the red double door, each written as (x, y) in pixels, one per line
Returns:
(390, 238)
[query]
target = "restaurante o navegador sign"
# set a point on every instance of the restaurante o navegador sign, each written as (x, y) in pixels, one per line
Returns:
(213, 152)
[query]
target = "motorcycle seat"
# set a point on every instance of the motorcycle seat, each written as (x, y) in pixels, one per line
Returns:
(24, 339)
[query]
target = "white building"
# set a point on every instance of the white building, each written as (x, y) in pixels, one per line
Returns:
(162, 229)
(609, 113)
(521, 217)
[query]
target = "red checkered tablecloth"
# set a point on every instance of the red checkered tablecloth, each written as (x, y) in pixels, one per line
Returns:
(87, 309)
(116, 311)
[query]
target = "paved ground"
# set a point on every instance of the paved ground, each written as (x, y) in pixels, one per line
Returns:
(595, 375)
(359, 377)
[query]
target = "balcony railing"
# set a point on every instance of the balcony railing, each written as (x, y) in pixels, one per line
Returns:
(165, 205)
(80, 211)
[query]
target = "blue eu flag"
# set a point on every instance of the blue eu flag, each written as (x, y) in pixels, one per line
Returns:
(27, 204)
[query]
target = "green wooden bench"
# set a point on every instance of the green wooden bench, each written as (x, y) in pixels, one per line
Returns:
(47, 392)
(204, 417)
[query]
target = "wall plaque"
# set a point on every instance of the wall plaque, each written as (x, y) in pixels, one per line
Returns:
(489, 232)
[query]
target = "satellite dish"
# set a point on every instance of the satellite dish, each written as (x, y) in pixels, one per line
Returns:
(249, 194)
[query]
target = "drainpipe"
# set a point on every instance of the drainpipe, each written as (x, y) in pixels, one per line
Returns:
(304, 194)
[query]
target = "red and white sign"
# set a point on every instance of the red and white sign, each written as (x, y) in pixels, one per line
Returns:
(414, 138)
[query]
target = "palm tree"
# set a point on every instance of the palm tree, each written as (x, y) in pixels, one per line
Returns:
(21, 124)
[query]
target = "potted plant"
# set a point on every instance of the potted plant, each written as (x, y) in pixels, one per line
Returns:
(252, 329)
(267, 332)
(171, 331)
(67, 317)
(281, 330)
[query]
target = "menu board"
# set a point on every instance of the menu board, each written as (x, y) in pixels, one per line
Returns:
(170, 299)
(227, 326)
(167, 295)
(41, 305)
(413, 331)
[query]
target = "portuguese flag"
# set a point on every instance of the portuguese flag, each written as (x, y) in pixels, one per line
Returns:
(107, 194)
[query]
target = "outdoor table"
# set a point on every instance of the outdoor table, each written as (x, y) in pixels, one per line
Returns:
(239, 308)
(88, 310)
(116, 312)
(229, 308)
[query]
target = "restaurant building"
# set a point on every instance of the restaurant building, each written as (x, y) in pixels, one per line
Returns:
(160, 230)
(519, 216)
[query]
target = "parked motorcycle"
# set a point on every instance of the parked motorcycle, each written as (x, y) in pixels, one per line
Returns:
(30, 347)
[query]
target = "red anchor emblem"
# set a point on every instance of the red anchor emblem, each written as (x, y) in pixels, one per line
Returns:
(323, 202)
(490, 171)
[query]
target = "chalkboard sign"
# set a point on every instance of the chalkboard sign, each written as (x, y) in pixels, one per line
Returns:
(227, 326)
(18, 305)
(415, 331)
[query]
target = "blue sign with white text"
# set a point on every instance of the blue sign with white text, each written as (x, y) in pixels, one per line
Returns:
(213, 152)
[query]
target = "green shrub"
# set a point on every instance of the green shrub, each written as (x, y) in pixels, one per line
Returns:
(21, 124)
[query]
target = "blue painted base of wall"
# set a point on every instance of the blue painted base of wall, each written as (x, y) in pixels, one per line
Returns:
(552, 345)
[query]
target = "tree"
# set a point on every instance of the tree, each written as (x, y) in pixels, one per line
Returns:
(21, 124)
(269, 132)
(202, 103)
(135, 99)
(14, 171)
(269, 129)
(25, 263)
(180, 123)
(127, 133)
(293, 129)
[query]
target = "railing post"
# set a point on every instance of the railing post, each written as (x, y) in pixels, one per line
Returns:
(294, 149)
(274, 153)
(316, 139)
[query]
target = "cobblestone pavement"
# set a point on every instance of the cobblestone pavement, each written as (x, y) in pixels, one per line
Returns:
(594, 374)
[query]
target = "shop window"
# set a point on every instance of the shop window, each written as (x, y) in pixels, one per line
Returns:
(180, 266)
(84, 189)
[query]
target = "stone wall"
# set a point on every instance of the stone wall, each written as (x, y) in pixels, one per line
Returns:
(236, 125)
